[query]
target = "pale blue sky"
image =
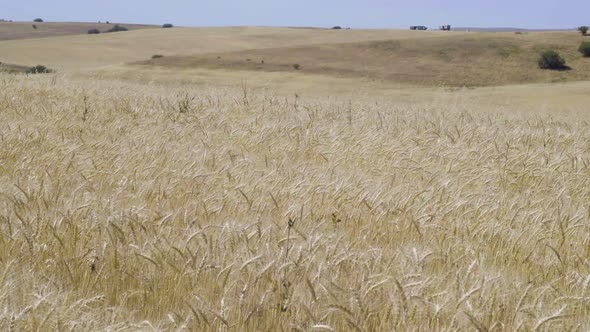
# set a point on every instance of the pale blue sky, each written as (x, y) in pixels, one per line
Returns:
(347, 13)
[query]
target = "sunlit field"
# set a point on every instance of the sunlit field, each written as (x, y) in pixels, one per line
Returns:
(130, 207)
(149, 198)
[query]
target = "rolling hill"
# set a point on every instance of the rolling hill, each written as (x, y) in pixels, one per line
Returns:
(25, 30)
(414, 58)
(74, 52)
(455, 59)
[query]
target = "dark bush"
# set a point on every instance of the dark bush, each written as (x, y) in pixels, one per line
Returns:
(93, 31)
(585, 48)
(117, 28)
(38, 20)
(296, 66)
(336, 27)
(167, 25)
(38, 69)
(583, 30)
(157, 56)
(551, 60)
(35, 26)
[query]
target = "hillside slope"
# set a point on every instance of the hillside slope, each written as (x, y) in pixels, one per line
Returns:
(91, 51)
(25, 30)
(475, 59)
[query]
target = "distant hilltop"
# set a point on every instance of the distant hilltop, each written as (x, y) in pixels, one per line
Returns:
(507, 29)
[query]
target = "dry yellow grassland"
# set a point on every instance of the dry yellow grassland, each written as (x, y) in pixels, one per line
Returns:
(72, 53)
(25, 30)
(143, 206)
(453, 59)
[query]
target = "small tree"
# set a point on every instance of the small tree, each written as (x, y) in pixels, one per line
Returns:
(583, 30)
(551, 60)
(93, 31)
(336, 27)
(117, 28)
(38, 20)
(167, 25)
(38, 69)
(585, 48)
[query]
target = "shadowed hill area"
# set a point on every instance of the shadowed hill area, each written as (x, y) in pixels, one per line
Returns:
(475, 59)
(25, 30)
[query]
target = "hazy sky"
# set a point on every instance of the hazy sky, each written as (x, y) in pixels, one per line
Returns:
(347, 13)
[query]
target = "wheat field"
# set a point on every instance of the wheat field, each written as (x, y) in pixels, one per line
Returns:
(130, 206)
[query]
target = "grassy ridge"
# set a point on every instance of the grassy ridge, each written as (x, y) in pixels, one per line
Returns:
(81, 52)
(430, 58)
(136, 206)
(478, 59)
(25, 30)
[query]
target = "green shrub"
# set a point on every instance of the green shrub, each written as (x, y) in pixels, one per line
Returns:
(296, 66)
(38, 20)
(551, 60)
(167, 25)
(38, 69)
(585, 48)
(117, 28)
(583, 30)
(157, 56)
(93, 31)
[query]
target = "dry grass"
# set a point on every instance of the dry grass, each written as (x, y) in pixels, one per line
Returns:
(91, 51)
(455, 59)
(25, 30)
(537, 97)
(133, 206)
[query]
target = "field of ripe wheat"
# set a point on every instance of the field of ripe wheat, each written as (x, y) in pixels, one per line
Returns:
(127, 206)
